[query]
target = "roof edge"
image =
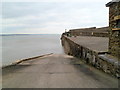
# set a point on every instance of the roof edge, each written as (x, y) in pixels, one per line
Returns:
(111, 2)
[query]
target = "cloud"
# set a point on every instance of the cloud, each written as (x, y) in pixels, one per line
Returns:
(54, 0)
(52, 17)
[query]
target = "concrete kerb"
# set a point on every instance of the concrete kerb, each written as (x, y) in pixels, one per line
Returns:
(20, 61)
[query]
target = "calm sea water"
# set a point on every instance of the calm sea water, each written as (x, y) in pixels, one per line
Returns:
(16, 47)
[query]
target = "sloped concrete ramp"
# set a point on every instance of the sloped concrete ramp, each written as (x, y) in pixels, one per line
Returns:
(55, 71)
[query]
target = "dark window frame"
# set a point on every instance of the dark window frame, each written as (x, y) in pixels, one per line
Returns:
(118, 23)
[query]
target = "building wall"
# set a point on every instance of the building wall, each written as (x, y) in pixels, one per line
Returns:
(114, 33)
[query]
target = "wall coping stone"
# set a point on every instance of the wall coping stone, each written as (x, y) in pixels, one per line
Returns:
(111, 59)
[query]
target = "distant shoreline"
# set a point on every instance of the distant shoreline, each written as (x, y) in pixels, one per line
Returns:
(25, 34)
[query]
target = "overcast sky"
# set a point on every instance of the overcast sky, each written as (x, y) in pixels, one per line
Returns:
(53, 16)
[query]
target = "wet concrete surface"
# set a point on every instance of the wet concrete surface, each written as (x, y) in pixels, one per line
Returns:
(56, 71)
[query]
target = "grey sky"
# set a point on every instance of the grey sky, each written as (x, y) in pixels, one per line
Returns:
(52, 16)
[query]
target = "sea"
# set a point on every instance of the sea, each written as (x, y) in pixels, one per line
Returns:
(17, 47)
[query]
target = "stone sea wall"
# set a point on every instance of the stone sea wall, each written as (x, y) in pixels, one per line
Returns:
(98, 60)
(93, 31)
(109, 61)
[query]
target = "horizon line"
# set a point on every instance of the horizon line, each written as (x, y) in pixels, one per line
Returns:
(24, 34)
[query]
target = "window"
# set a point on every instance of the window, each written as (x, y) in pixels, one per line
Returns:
(118, 23)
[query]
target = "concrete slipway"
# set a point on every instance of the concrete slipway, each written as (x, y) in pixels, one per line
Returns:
(55, 71)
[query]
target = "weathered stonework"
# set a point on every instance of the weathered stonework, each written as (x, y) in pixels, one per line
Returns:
(114, 32)
(100, 60)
